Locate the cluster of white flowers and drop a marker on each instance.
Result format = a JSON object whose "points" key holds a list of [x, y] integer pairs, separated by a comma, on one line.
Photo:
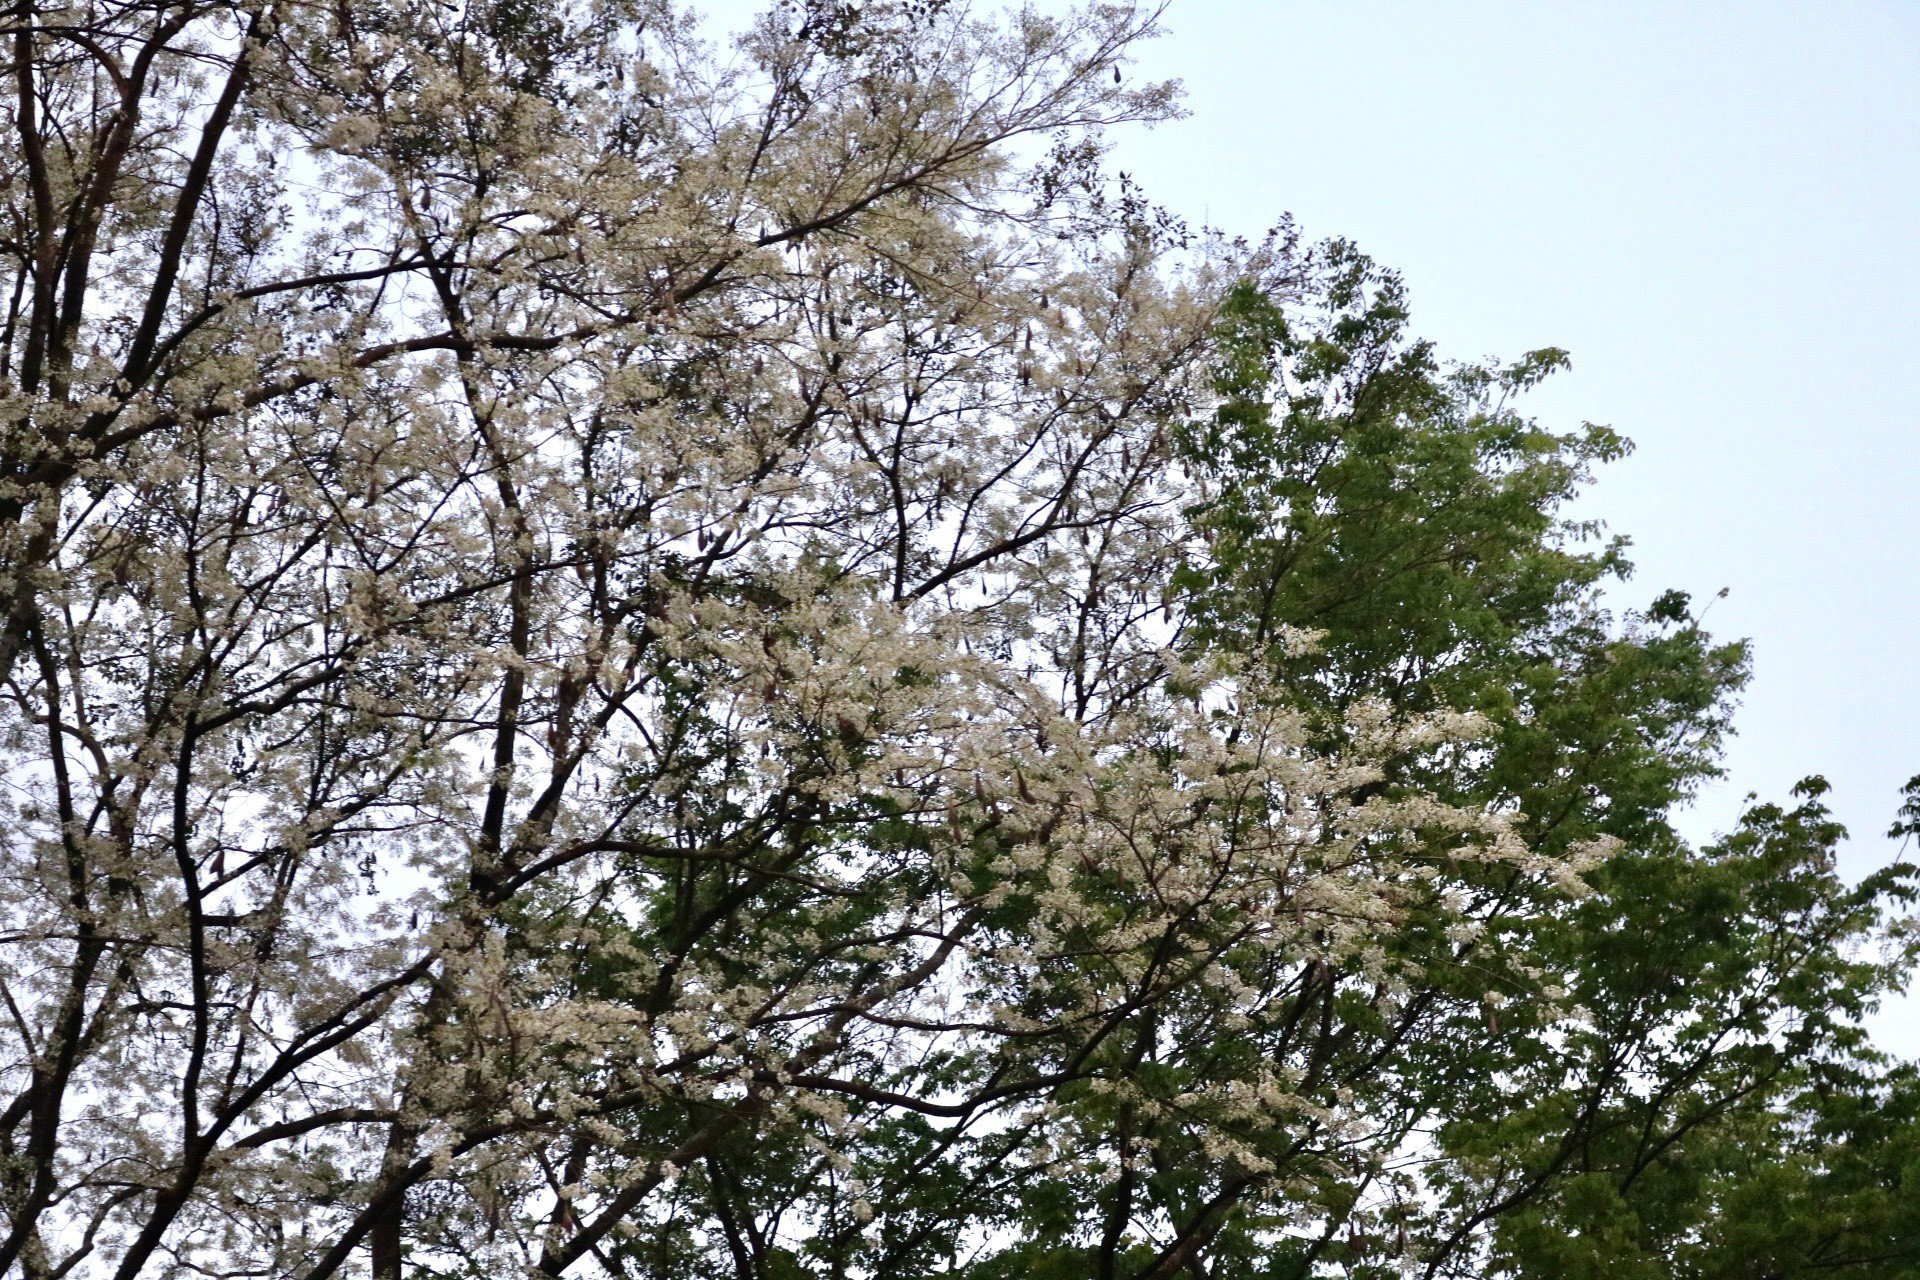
{"points": [[577, 613]]}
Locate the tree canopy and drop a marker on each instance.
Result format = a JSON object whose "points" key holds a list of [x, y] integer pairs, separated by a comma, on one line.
{"points": [[621, 656]]}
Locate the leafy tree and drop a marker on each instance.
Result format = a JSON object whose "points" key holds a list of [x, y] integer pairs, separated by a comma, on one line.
{"points": [[1693, 1095], [623, 657]]}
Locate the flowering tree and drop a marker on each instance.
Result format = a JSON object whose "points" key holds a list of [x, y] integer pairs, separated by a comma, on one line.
{"points": [[624, 658]]}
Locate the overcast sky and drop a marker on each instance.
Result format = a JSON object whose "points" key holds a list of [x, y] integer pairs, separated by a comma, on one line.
{"points": [[1716, 209]]}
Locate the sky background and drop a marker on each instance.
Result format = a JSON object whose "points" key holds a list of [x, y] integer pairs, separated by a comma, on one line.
{"points": [[1716, 209]]}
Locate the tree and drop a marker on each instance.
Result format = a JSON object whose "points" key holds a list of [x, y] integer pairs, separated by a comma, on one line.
{"points": [[623, 658], [1667, 1073]]}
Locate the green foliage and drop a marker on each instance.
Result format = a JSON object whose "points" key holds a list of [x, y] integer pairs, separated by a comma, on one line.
{"points": [[1716, 1107], [1680, 1085], [1408, 514]]}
